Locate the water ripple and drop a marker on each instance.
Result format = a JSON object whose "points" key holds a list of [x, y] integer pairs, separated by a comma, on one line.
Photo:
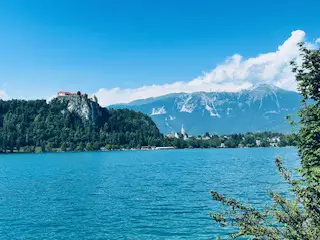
{"points": [[130, 195]]}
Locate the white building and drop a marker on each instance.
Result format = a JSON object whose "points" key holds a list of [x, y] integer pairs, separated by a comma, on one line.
{"points": [[258, 142], [184, 134]]}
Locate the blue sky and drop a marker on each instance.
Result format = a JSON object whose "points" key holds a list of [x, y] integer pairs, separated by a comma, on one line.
{"points": [[47, 46]]}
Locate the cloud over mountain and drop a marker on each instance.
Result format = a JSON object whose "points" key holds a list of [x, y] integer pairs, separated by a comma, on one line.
{"points": [[3, 94], [234, 74]]}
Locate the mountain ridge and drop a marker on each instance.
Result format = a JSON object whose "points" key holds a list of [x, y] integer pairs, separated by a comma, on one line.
{"points": [[254, 87], [260, 108]]}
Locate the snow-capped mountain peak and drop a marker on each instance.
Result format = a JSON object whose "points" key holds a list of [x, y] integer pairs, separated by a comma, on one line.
{"points": [[158, 111], [259, 108]]}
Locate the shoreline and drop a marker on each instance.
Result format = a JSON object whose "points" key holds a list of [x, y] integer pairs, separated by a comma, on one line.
{"points": [[136, 149]]}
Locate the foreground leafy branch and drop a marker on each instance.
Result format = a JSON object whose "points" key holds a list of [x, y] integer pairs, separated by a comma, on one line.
{"points": [[297, 216]]}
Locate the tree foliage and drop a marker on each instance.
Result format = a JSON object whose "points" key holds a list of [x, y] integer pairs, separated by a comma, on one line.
{"points": [[267, 139], [35, 126], [296, 217]]}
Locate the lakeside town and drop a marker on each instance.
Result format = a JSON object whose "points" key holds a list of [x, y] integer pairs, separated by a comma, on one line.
{"points": [[247, 140]]}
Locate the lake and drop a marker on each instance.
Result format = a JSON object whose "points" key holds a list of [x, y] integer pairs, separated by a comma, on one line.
{"points": [[131, 194]]}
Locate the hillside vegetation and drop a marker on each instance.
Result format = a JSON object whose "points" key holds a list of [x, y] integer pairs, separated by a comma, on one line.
{"points": [[71, 124]]}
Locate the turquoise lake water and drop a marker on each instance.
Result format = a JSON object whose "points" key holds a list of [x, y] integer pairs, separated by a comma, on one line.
{"points": [[130, 195]]}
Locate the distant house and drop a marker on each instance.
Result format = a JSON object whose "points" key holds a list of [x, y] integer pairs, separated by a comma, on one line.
{"points": [[276, 139], [274, 142], [63, 93], [258, 142], [145, 147], [170, 135], [148, 147], [164, 148], [241, 145]]}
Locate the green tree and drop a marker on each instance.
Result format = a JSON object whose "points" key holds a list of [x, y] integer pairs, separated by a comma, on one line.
{"points": [[297, 217], [230, 143], [80, 147], [48, 147], [96, 146], [265, 143], [89, 147], [72, 147], [63, 147]]}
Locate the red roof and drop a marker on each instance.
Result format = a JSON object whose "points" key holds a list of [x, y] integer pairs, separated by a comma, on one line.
{"points": [[67, 93], [70, 93]]}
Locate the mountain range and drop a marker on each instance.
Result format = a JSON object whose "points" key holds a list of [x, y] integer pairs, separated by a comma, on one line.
{"points": [[259, 108]]}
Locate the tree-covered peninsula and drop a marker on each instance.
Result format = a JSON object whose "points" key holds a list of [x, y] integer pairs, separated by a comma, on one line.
{"points": [[71, 122]]}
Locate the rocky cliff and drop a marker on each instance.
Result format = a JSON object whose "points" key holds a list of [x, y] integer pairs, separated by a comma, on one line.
{"points": [[86, 108]]}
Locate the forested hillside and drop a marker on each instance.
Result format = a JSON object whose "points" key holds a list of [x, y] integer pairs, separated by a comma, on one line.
{"points": [[65, 124]]}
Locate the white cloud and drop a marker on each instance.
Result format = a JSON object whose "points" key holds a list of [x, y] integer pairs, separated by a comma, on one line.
{"points": [[318, 40], [234, 74], [3, 94]]}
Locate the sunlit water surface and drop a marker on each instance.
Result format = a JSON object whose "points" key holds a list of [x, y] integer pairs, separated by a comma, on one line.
{"points": [[130, 195]]}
